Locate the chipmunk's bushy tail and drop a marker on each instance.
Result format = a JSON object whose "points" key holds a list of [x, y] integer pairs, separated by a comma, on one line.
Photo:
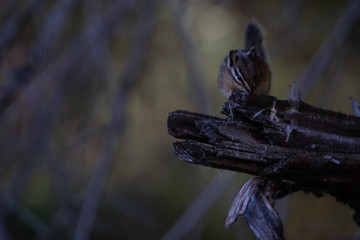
{"points": [[254, 38]]}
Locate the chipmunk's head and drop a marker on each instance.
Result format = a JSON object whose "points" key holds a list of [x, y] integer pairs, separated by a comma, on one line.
{"points": [[241, 65]]}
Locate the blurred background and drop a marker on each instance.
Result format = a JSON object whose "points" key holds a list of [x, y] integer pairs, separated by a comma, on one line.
{"points": [[86, 88]]}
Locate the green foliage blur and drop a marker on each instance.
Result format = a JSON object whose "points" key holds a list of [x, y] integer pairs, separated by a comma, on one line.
{"points": [[55, 123]]}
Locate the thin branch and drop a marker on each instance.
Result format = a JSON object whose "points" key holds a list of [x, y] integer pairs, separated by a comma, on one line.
{"points": [[116, 125]]}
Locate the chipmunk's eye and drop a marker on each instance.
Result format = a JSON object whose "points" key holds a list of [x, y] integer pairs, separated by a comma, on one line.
{"points": [[238, 74]]}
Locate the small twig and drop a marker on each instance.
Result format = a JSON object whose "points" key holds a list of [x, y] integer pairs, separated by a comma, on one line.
{"points": [[355, 106]]}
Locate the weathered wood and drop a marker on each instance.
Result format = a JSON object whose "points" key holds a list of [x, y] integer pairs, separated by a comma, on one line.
{"points": [[301, 146]]}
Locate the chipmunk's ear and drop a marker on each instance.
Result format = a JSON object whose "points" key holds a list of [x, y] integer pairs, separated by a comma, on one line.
{"points": [[251, 53], [232, 58]]}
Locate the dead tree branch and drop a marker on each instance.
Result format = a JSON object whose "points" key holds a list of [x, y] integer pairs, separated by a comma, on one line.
{"points": [[290, 144]]}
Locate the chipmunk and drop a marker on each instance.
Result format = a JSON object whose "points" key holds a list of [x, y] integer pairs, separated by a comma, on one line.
{"points": [[247, 69]]}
